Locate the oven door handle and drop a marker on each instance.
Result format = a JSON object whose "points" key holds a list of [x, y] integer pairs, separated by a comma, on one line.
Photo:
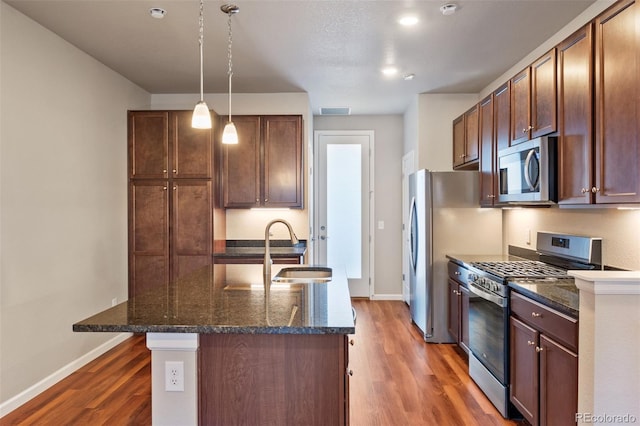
{"points": [[493, 298]]}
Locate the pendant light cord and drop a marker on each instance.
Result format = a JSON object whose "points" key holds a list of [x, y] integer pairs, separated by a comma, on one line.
{"points": [[230, 72], [201, 42]]}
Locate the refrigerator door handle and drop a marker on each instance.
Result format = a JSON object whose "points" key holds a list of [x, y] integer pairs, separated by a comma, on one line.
{"points": [[413, 237]]}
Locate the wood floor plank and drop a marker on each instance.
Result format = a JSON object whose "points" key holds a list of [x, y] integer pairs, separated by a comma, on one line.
{"points": [[398, 380]]}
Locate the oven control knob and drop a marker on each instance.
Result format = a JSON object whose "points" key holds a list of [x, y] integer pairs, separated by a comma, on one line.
{"points": [[473, 277]]}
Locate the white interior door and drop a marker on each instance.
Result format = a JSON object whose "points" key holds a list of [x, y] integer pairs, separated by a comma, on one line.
{"points": [[344, 198]]}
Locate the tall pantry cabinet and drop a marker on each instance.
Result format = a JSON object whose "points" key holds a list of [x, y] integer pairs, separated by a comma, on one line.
{"points": [[173, 201]]}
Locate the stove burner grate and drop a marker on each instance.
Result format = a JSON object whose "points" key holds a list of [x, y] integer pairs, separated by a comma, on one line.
{"points": [[520, 268]]}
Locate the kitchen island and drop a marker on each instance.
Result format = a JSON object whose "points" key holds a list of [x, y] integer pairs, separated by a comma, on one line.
{"points": [[249, 356]]}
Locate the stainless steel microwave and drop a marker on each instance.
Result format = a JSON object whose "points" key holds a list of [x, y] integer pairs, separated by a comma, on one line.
{"points": [[527, 172]]}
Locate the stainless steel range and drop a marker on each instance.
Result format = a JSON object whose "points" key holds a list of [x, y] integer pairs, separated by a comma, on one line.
{"points": [[489, 304]]}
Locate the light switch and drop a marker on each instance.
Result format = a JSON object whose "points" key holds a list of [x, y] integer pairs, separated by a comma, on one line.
{"points": [[381, 224]]}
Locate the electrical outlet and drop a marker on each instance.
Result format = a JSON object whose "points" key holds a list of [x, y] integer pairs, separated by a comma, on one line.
{"points": [[174, 376]]}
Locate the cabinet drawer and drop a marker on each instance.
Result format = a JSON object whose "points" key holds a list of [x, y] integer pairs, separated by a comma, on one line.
{"points": [[458, 273], [547, 320]]}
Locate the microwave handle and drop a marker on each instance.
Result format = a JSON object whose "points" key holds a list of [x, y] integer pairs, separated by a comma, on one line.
{"points": [[527, 161]]}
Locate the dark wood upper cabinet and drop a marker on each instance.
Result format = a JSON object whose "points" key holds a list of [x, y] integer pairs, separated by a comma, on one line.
{"points": [[192, 149], [466, 140], [533, 100], [502, 116], [163, 144], [282, 163], [487, 152], [458, 142], [617, 90], [241, 165], [520, 107], [575, 118], [543, 95], [148, 144], [265, 168]]}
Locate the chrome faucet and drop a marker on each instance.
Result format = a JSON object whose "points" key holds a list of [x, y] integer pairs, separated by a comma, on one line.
{"points": [[266, 267]]}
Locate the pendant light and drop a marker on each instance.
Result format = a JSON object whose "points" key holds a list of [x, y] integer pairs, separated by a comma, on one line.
{"points": [[230, 134], [201, 118]]}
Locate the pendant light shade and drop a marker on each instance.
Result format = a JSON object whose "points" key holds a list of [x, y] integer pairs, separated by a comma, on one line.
{"points": [[201, 116], [230, 134]]}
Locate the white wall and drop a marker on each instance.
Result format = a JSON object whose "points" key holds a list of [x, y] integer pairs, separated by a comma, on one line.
{"points": [[250, 224], [428, 124], [436, 113], [388, 146], [63, 195]]}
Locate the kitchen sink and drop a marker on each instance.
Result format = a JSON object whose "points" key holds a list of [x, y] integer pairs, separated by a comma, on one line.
{"points": [[302, 274]]}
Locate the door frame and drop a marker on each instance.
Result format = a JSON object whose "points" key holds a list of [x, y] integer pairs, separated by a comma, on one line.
{"points": [[371, 206]]}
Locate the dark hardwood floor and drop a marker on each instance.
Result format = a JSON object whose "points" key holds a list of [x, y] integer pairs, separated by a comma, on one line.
{"points": [[398, 380]]}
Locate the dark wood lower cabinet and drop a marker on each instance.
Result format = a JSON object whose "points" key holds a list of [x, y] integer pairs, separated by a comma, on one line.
{"points": [[524, 370], [544, 371], [458, 300], [278, 379], [558, 384]]}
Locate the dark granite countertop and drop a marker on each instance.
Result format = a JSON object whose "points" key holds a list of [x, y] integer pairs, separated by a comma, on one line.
{"points": [[467, 259], [231, 299], [255, 248], [559, 294]]}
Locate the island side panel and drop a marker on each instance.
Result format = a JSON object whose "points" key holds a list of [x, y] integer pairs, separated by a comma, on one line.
{"points": [[272, 379]]}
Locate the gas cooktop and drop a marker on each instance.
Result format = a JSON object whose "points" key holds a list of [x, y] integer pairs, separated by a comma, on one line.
{"points": [[520, 269]]}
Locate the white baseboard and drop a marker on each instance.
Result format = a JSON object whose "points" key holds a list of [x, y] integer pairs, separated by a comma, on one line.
{"points": [[12, 403], [386, 297]]}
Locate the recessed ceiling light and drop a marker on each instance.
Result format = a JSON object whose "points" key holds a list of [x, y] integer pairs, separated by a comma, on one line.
{"points": [[448, 9], [408, 20], [389, 71], [157, 12], [408, 77]]}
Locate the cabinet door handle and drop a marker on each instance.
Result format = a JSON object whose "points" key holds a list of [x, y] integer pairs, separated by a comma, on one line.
{"points": [[526, 129], [164, 187], [352, 342], [349, 372], [491, 196], [536, 315], [530, 343], [175, 171], [456, 273], [584, 190], [539, 349], [164, 170], [595, 189]]}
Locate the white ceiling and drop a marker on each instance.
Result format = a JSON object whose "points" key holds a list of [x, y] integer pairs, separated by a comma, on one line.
{"points": [[333, 50]]}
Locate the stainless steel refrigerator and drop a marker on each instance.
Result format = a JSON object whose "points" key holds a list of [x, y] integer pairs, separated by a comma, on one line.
{"points": [[445, 218]]}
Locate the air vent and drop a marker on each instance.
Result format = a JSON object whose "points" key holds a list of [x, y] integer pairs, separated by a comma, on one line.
{"points": [[335, 111]]}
